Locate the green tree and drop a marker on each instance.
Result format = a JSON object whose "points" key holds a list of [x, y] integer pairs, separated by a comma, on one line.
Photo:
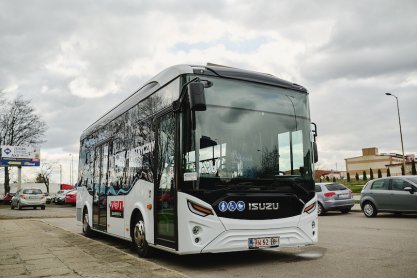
{"points": [[39, 179], [413, 168], [364, 177], [371, 174], [348, 177], [357, 176], [327, 178], [379, 173], [334, 179], [388, 172]]}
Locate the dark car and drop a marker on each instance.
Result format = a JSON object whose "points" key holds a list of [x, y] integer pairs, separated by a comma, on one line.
{"points": [[391, 194], [7, 198]]}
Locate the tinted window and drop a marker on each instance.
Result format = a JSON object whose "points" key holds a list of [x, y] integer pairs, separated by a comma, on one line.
{"points": [[318, 188], [335, 187], [399, 184], [32, 191], [413, 179], [380, 185]]}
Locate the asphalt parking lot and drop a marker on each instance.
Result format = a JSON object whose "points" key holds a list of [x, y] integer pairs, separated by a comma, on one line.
{"points": [[51, 211]]}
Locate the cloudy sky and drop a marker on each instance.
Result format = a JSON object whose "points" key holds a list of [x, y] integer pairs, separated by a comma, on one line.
{"points": [[77, 59]]}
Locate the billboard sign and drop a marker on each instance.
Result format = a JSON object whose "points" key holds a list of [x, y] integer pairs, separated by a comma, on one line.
{"points": [[19, 156]]}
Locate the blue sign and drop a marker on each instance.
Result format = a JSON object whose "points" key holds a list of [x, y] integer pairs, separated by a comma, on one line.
{"points": [[232, 206], [10, 162], [240, 206], [222, 206]]}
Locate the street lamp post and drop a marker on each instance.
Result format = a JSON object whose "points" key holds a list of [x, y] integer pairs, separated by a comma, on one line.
{"points": [[399, 122], [71, 169]]}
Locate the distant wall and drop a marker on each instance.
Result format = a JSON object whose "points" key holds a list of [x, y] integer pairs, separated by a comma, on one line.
{"points": [[53, 187]]}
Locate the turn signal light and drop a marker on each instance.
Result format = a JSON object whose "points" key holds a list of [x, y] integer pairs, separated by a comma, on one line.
{"points": [[23, 196], [199, 210]]}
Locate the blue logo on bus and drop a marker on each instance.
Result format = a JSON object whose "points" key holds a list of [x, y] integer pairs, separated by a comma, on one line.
{"points": [[232, 206], [222, 206], [240, 206]]}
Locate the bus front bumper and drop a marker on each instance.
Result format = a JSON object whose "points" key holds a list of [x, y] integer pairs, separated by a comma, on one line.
{"points": [[238, 240]]}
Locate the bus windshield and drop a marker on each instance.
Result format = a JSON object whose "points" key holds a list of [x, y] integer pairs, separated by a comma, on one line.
{"points": [[249, 132]]}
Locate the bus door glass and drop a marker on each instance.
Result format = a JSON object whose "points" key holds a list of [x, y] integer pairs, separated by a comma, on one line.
{"points": [[100, 187], [165, 188]]}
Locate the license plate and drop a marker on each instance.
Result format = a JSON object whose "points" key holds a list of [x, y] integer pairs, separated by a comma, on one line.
{"points": [[263, 242], [33, 197], [344, 196]]}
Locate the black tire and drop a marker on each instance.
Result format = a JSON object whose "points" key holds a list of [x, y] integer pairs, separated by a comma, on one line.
{"points": [[345, 210], [34, 207], [18, 206], [87, 231], [11, 206], [42, 207], [320, 209], [369, 209], [140, 245]]}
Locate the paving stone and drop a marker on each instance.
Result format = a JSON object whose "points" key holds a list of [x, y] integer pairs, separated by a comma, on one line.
{"points": [[53, 252], [51, 271]]}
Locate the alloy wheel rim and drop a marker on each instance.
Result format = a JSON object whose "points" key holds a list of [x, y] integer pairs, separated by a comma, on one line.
{"points": [[319, 209], [85, 223], [368, 209], [139, 234]]}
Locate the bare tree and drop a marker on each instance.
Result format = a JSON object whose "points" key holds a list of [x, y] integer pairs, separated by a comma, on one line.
{"points": [[45, 173], [19, 126]]}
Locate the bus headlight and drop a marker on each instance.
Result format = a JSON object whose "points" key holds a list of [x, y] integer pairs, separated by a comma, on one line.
{"points": [[310, 208], [199, 210]]}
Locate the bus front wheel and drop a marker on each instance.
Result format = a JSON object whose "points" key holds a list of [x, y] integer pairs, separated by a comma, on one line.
{"points": [[139, 240]]}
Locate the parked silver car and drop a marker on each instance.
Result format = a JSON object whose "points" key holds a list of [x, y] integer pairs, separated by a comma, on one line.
{"points": [[60, 197], [28, 197], [391, 194], [333, 196]]}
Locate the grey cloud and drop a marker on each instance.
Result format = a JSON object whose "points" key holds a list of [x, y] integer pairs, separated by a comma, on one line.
{"points": [[370, 49], [366, 40]]}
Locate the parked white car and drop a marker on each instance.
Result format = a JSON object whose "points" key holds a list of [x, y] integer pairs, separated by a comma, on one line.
{"points": [[28, 197]]}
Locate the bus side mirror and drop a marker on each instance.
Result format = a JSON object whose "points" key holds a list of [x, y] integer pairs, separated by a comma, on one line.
{"points": [[315, 153], [197, 97]]}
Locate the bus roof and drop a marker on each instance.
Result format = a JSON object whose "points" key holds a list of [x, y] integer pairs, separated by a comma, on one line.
{"points": [[173, 72]]}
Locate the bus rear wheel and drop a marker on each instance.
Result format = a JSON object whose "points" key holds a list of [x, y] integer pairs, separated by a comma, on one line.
{"points": [[139, 239], [87, 231]]}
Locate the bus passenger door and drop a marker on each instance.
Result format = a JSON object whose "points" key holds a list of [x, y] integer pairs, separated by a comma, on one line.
{"points": [[165, 187], [100, 187]]}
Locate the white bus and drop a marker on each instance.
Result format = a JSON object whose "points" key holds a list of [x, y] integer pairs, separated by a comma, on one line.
{"points": [[202, 159]]}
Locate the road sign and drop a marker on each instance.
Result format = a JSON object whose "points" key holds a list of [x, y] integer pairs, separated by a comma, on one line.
{"points": [[19, 156]]}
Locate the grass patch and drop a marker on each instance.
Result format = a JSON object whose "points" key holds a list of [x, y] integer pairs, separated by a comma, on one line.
{"points": [[356, 188]]}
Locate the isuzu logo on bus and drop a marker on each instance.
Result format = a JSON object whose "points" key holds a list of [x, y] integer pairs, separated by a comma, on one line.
{"points": [[263, 206]]}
